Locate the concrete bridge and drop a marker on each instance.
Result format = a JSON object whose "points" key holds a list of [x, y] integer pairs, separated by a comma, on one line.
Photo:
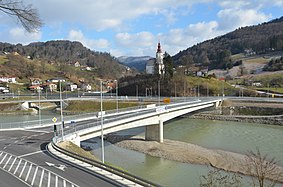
{"points": [[151, 117]]}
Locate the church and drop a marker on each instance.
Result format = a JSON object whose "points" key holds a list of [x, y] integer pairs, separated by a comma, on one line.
{"points": [[155, 65]]}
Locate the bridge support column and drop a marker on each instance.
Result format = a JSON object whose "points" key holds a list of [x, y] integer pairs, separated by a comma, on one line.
{"points": [[154, 132], [76, 139]]}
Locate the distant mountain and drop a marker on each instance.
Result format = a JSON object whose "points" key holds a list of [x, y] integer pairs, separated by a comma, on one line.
{"points": [[65, 52], [135, 62], [252, 40]]}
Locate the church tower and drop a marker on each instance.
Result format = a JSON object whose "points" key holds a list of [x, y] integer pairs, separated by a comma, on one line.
{"points": [[159, 60]]}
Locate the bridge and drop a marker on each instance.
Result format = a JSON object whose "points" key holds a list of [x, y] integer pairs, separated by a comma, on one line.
{"points": [[152, 117]]}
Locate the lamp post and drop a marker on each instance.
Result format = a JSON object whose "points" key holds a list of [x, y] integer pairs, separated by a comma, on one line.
{"points": [[101, 118], [137, 92], [39, 111], [175, 90], [117, 104], [61, 110], [158, 92]]}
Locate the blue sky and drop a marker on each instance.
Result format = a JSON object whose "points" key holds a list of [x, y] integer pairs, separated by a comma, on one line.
{"points": [[134, 27]]}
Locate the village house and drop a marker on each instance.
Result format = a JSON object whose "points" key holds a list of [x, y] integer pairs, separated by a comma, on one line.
{"points": [[49, 86], [35, 81], [8, 79], [86, 87], [4, 89], [56, 80], [36, 88], [71, 87]]}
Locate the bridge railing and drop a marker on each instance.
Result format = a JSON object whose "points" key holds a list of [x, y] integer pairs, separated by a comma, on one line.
{"points": [[98, 164], [42, 122]]}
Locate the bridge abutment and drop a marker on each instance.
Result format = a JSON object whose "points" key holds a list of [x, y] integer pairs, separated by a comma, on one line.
{"points": [[154, 132]]}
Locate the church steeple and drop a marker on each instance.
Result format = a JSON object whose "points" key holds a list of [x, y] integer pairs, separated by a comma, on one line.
{"points": [[159, 60], [159, 48]]}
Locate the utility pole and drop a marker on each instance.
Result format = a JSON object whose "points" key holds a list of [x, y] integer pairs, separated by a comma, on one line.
{"points": [[158, 92], [101, 117], [61, 111], [117, 104]]}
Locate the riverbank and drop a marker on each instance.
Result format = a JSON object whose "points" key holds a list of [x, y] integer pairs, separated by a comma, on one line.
{"points": [[270, 120], [189, 153], [245, 111]]}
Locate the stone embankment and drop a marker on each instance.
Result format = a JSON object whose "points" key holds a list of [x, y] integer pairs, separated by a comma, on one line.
{"points": [[245, 111], [271, 120], [190, 153]]}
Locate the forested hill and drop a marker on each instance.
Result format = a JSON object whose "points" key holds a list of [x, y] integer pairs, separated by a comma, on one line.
{"points": [[63, 52], [216, 53]]}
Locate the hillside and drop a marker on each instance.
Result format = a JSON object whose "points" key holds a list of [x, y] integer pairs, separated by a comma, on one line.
{"points": [[135, 62], [64, 52], [251, 40]]}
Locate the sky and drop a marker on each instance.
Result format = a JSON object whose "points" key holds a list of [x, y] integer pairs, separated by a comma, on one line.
{"points": [[134, 27]]}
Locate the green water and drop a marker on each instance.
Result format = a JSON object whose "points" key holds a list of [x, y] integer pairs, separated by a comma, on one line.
{"points": [[230, 136]]}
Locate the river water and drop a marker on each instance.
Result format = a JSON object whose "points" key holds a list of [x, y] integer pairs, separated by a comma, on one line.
{"points": [[230, 136]]}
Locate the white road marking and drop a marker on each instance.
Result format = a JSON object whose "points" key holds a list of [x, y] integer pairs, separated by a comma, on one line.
{"points": [[7, 161], [56, 181], [17, 167], [34, 175], [23, 169], [3, 159], [49, 178], [41, 178], [12, 164], [61, 167], [50, 164], [28, 154], [28, 172]]}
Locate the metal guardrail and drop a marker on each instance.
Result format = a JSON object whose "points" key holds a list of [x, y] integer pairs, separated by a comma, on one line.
{"points": [[123, 174]]}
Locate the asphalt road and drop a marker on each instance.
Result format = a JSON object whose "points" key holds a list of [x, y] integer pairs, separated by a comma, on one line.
{"points": [[31, 146]]}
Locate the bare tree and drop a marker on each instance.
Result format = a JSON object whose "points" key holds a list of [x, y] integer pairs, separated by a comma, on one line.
{"points": [[218, 178], [264, 170], [25, 14]]}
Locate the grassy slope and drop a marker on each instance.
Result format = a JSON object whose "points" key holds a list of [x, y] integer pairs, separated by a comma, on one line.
{"points": [[92, 106]]}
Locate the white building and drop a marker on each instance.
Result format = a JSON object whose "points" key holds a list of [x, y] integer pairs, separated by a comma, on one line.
{"points": [[157, 62], [8, 79], [149, 68]]}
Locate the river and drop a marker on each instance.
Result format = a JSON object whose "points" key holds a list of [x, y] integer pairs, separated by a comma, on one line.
{"points": [[230, 136]]}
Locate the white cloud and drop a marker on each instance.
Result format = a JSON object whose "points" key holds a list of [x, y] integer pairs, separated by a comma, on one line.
{"points": [[141, 39], [19, 35], [101, 14], [180, 39], [77, 35], [230, 19]]}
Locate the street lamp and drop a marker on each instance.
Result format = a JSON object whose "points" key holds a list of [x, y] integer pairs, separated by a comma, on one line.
{"points": [[61, 111], [39, 111], [158, 92], [117, 104], [137, 91], [101, 117]]}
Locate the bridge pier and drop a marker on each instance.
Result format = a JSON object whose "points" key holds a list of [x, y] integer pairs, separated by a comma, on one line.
{"points": [[76, 139], [154, 132]]}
